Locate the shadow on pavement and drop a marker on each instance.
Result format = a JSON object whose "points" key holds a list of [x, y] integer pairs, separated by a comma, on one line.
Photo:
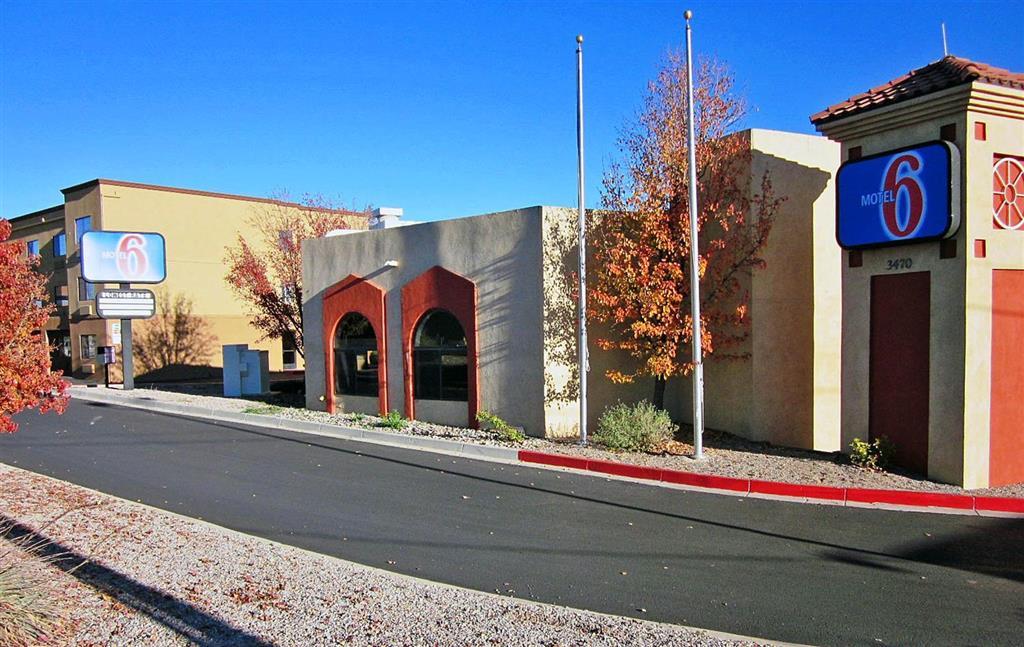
{"points": [[188, 621]]}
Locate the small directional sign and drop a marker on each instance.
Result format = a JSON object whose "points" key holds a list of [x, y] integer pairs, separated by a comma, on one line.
{"points": [[125, 304]]}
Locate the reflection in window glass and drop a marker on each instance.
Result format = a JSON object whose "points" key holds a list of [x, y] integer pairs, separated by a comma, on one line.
{"points": [[60, 244], [82, 225], [355, 356], [86, 290], [33, 248], [439, 358], [88, 343]]}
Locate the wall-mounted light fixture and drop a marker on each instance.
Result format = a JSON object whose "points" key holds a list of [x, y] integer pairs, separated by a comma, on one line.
{"points": [[391, 263]]}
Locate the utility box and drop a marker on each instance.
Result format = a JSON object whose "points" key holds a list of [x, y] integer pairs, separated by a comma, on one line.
{"points": [[246, 372]]}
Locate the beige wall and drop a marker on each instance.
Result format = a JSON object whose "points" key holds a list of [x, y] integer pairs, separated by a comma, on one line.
{"points": [[960, 340], [787, 390], [1004, 250], [197, 228]]}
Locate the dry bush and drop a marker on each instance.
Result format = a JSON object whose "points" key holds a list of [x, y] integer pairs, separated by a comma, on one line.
{"points": [[29, 612]]}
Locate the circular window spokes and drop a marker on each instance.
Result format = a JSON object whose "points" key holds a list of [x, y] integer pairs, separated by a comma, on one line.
{"points": [[441, 371], [355, 356]]}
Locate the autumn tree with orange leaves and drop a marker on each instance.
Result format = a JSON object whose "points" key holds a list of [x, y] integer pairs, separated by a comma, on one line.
{"points": [[641, 241], [265, 265], [26, 381]]}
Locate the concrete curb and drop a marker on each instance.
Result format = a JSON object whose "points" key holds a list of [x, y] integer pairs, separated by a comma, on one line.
{"points": [[911, 500], [899, 500], [422, 443]]}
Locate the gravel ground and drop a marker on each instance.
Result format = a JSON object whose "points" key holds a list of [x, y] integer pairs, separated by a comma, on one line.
{"points": [[725, 454], [127, 574]]}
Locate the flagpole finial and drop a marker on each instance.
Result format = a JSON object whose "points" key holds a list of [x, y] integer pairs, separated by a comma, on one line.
{"points": [[687, 14], [579, 38]]}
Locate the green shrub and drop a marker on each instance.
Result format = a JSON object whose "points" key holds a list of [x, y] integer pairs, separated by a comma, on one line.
{"points": [[358, 418], [634, 428], [393, 420], [502, 429], [875, 455]]}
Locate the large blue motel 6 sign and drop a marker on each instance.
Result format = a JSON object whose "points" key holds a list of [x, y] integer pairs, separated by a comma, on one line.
{"points": [[123, 257], [903, 196]]}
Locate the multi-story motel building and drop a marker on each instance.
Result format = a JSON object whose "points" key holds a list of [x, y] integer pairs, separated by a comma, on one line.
{"points": [[197, 227]]}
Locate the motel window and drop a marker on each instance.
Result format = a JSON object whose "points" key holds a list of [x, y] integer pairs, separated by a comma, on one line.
{"points": [[60, 245], [86, 290], [88, 349], [439, 358], [60, 295], [33, 248], [355, 356], [289, 354], [82, 225]]}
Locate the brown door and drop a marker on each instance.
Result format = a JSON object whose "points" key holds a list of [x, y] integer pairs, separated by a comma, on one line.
{"points": [[900, 326]]}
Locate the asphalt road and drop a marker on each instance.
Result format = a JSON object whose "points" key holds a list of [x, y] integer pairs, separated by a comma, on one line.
{"points": [[793, 572]]}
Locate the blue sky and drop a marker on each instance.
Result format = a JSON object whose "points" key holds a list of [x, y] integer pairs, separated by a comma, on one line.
{"points": [[444, 109]]}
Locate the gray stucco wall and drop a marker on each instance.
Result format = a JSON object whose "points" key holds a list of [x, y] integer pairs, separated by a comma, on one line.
{"points": [[500, 253]]}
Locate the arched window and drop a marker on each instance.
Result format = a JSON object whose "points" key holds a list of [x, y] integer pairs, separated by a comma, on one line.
{"points": [[439, 358], [355, 356]]}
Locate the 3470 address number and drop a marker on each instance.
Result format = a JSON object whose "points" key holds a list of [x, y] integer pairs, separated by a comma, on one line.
{"points": [[899, 264]]}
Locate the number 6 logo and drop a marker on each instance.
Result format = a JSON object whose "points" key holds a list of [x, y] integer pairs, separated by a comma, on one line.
{"points": [[132, 260], [901, 179]]}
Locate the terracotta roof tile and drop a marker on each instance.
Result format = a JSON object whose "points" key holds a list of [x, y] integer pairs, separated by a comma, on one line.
{"points": [[944, 73]]}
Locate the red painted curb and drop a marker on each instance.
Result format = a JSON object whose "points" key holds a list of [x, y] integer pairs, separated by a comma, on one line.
{"points": [[998, 504], [624, 469], [705, 480], [559, 460], [909, 498], [795, 489]]}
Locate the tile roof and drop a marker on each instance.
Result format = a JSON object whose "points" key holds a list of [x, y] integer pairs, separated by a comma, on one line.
{"points": [[943, 73]]}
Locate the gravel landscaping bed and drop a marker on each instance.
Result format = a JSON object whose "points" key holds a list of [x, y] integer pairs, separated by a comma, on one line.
{"points": [[127, 574], [725, 454]]}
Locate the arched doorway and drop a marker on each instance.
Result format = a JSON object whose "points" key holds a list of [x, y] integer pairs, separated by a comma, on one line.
{"points": [[440, 371], [356, 358]]}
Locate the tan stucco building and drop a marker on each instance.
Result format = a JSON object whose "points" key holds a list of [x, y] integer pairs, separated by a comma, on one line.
{"points": [[197, 227], [933, 331], [441, 320]]}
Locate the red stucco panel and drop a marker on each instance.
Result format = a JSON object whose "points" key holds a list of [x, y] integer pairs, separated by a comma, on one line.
{"points": [[441, 288], [355, 294]]}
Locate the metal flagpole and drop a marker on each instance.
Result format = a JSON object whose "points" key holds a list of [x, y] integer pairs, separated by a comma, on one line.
{"points": [[698, 353], [584, 367]]}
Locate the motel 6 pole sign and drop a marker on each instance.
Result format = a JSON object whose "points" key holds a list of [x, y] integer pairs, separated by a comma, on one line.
{"points": [[124, 257], [903, 196]]}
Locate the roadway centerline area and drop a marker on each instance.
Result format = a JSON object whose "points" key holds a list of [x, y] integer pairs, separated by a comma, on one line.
{"points": [[801, 573]]}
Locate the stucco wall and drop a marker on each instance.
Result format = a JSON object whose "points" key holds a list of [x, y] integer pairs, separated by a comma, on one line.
{"points": [[959, 397], [500, 253], [787, 390], [197, 229], [1004, 249]]}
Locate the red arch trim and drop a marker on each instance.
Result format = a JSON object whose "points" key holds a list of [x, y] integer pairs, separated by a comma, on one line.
{"points": [[355, 294], [441, 288]]}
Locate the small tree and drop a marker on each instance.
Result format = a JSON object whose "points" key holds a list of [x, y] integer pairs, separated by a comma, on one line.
{"points": [[26, 381], [174, 336], [642, 241], [265, 264]]}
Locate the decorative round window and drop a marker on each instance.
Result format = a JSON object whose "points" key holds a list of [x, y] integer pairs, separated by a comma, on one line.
{"points": [[1008, 193]]}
